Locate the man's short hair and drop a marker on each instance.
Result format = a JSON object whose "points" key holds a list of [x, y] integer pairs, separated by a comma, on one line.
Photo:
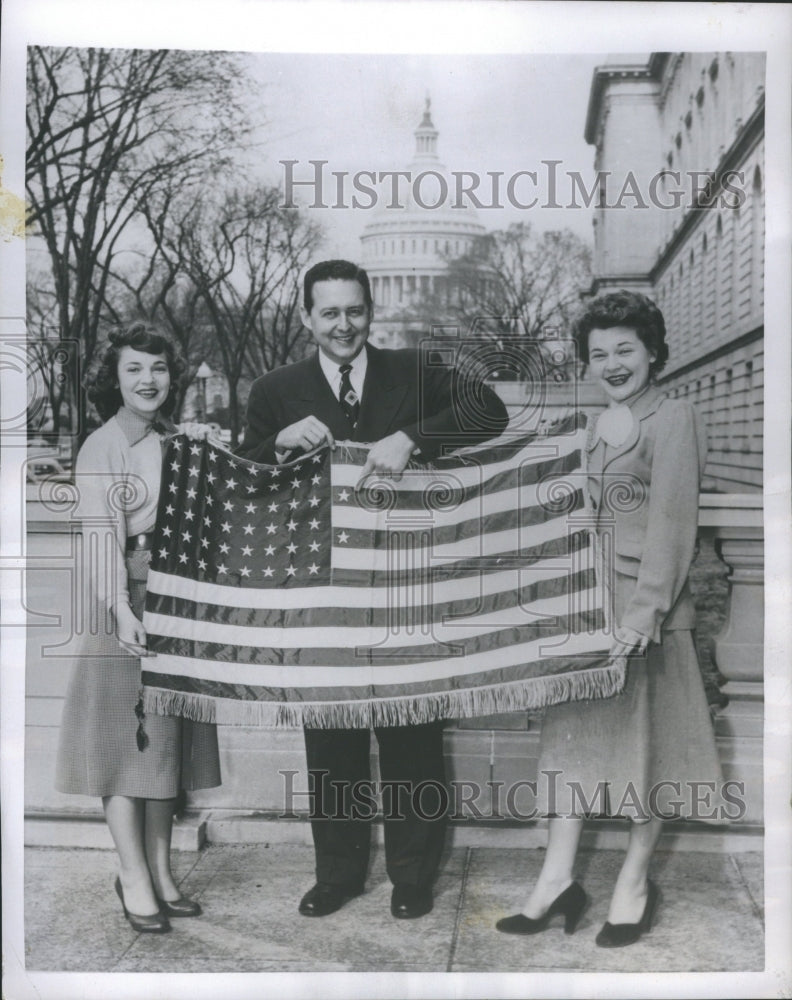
{"points": [[334, 270]]}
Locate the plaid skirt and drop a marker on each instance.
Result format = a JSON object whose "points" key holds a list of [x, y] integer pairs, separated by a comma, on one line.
{"points": [[98, 752]]}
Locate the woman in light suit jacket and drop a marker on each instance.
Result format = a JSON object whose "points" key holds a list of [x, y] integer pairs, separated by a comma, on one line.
{"points": [[648, 753]]}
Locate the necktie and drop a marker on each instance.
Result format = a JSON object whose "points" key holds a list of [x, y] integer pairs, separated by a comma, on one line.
{"points": [[347, 396]]}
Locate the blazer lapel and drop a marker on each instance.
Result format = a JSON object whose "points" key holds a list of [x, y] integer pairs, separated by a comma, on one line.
{"points": [[317, 398], [383, 394]]}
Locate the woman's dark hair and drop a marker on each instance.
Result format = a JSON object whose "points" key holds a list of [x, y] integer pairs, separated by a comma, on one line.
{"points": [[623, 308], [102, 382]]}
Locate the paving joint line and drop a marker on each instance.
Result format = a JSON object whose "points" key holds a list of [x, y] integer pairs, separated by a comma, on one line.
{"points": [[459, 908], [756, 907]]}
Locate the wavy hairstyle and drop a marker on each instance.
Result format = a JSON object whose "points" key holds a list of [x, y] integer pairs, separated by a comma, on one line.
{"points": [[102, 382], [623, 308]]}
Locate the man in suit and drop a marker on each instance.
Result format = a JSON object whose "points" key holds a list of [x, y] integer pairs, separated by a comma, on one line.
{"points": [[349, 390]]}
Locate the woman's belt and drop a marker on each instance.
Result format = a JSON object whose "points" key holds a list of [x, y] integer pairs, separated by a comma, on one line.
{"points": [[142, 541]]}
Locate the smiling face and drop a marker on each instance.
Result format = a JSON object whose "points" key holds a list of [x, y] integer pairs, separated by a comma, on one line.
{"points": [[144, 381], [339, 319], [619, 361]]}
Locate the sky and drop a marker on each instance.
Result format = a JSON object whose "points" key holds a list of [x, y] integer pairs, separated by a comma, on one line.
{"points": [[493, 112]]}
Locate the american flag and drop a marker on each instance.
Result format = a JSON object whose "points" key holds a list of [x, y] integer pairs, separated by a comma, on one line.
{"points": [[288, 594]]}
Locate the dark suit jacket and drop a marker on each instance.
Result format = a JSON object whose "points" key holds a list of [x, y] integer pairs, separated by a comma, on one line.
{"points": [[434, 405]]}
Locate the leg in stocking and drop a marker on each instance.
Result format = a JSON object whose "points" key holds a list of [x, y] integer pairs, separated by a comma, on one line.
{"points": [[125, 817]]}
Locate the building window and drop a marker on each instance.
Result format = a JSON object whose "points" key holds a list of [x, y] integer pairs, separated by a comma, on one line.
{"points": [[700, 97], [688, 119], [713, 70]]}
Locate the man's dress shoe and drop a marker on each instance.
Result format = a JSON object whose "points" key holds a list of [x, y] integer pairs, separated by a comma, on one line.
{"points": [[409, 901], [326, 898]]}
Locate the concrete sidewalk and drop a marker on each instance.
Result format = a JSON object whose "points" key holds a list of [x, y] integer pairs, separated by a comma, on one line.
{"points": [[710, 917]]}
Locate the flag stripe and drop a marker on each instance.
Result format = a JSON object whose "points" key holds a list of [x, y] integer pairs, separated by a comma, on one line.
{"points": [[387, 670]]}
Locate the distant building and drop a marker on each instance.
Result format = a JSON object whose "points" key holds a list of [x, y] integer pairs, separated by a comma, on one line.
{"points": [[677, 121], [406, 249]]}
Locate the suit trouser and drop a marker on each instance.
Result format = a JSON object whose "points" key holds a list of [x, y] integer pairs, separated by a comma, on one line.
{"points": [[414, 817]]}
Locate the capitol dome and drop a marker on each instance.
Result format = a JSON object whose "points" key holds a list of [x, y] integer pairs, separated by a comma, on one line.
{"points": [[407, 245]]}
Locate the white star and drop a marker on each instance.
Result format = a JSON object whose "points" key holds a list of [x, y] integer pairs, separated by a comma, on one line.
{"points": [[194, 470], [231, 483], [317, 458], [244, 571], [314, 501], [271, 529], [298, 467], [273, 487], [169, 509], [343, 538], [313, 569], [191, 493], [232, 464], [294, 504], [176, 442], [313, 524], [270, 550], [246, 551], [314, 546], [227, 505], [186, 536], [212, 456], [224, 548], [295, 482], [248, 529], [183, 557], [291, 548], [172, 487], [208, 521], [167, 532], [268, 571], [273, 508], [343, 496], [251, 488], [189, 515], [209, 500], [205, 543], [291, 571], [274, 473], [222, 568], [292, 525], [225, 526], [202, 563], [250, 508], [210, 477], [175, 466], [163, 553], [195, 449], [315, 480]]}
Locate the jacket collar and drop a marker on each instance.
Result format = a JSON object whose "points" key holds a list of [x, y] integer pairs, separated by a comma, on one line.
{"points": [[641, 407], [135, 427]]}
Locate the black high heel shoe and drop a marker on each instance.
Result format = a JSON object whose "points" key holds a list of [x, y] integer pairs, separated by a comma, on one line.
{"points": [[181, 907], [157, 923], [571, 903], [619, 935]]}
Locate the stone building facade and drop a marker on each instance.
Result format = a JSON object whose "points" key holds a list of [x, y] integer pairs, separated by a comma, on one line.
{"points": [[687, 228]]}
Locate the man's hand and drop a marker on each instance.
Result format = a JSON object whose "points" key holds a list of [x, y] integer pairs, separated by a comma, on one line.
{"points": [[388, 457], [307, 434]]}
